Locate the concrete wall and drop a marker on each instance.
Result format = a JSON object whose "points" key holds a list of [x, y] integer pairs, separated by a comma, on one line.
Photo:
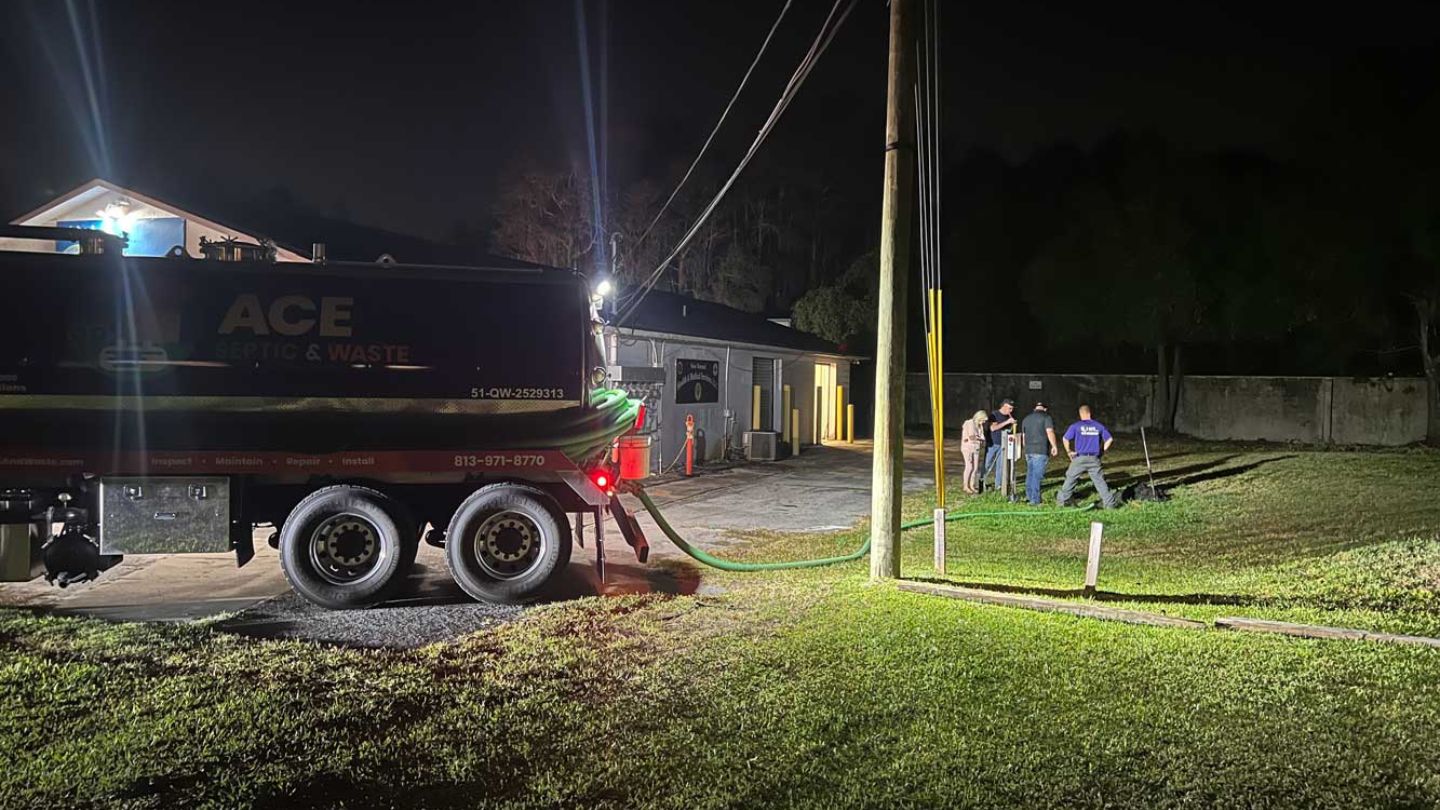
{"points": [[733, 412], [1378, 411], [1312, 410], [1270, 408], [1125, 400]]}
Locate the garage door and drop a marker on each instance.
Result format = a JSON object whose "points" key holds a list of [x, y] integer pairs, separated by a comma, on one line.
{"points": [[763, 374]]}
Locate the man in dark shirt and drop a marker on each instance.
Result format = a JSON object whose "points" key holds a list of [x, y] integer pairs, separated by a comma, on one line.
{"points": [[1000, 421], [1085, 442], [1037, 433]]}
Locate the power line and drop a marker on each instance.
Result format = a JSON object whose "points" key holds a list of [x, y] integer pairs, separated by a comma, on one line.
{"points": [[796, 78], [716, 129], [822, 41]]}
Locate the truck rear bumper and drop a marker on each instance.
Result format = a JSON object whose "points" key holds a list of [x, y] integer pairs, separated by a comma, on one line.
{"points": [[630, 529]]}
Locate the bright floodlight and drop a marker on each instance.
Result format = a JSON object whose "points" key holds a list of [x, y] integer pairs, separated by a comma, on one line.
{"points": [[604, 288]]}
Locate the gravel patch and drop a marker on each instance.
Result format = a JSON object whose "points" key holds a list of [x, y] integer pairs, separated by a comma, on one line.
{"points": [[431, 608], [392, 625]]}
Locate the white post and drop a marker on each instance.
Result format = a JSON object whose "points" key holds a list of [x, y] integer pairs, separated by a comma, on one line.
{"points": [[940, 541], [1092, 565]]}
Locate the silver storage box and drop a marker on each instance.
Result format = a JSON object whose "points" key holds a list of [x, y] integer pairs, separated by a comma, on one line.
{"points": [[761, 445], [20, 551], [21, 535], [164, 515]]}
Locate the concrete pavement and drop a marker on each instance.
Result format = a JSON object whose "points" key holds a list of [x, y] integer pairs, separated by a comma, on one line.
{"points": [[824, 488]]}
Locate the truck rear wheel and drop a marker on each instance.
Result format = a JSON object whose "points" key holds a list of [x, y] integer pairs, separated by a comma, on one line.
{"points": [[505, 541], [342, 547]]}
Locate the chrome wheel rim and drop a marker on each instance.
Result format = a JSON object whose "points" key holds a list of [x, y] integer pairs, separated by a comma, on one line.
{"points": [[346, 549], [508, 544]]}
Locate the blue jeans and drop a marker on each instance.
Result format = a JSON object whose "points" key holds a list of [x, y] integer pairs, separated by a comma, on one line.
{"points": [[1034, 471], [992, 457]]}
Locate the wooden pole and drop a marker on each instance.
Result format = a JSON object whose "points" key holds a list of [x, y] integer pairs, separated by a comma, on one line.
{"points": [[1092, 563], [887, 469], [940, 540]]}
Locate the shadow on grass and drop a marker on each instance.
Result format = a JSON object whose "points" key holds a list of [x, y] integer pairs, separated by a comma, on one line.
{"points": [[1228, 472], [1122, 478], [1233, 600], [428, 587], [1179, 476]]}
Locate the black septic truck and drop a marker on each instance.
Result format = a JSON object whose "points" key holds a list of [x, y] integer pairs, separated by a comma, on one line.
{"points": [[172, 404]]}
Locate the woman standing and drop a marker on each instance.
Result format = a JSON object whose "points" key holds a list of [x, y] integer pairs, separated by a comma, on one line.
{"points": [[972, 445]]}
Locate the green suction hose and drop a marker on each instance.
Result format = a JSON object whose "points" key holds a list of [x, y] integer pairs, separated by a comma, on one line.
{"points": [[612, 412], [728, 565]]}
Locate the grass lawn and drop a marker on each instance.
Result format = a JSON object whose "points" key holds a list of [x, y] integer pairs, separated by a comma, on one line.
{"points": [[815, 687], [1349, 538]]}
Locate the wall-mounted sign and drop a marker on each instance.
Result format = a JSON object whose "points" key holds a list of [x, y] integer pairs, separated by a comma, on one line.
{"points": [[696, 381], [1036, 385]]}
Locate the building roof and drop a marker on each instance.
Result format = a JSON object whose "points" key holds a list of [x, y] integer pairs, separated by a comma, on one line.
{"points": [[291, 226], [673, 314]]}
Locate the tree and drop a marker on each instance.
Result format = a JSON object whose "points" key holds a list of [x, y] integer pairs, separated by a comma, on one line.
{"points": [[1422, 289], [1415, 210], [1382, 113], [775, 235], [1125, 267], [545, 217], [1427, 321], [844, 312]]}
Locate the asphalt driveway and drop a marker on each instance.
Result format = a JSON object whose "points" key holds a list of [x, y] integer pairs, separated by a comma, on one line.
{"points": [[823, 488]]}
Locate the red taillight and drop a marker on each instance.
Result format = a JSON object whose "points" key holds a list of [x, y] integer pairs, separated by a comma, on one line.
{"points": [[603, 480]]}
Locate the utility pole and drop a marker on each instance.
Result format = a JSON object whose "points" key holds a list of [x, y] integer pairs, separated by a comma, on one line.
{"points": [[888, 461]]}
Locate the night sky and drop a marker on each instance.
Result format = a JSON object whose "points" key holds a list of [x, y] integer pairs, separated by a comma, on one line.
{"points": [[410, 114]]}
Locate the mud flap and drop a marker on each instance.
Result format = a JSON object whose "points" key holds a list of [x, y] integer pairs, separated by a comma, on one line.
{"points": [[630, 529]]}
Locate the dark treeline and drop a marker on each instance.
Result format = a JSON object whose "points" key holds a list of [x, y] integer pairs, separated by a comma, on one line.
{"points": [[1138, 255], [1134, 254], [769, 241]]}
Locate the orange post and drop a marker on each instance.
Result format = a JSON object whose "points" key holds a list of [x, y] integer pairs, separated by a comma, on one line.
{"points": [[689, 444]]}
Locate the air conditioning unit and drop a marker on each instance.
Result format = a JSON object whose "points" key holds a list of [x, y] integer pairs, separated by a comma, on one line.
{"points": [[761, 445]]}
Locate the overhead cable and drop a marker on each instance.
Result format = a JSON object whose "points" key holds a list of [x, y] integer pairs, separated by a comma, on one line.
{"points": [[822, 41], [716, 129]]}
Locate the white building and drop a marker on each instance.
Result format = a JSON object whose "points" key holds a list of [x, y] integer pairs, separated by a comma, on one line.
{"points": [[154, 227], [717, 364]]}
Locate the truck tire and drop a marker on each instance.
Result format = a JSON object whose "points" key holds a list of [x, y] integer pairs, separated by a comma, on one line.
{"points": [[342, 547], [505, 542]]}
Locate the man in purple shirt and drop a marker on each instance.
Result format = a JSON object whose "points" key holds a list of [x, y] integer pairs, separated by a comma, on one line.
{"points": [[1085, 442]]}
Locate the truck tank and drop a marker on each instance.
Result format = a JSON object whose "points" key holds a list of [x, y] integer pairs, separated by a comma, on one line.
{"points": [[153, 354]]}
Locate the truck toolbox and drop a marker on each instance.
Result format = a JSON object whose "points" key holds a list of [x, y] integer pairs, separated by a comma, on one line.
{"points": [[21, 535], [170, 515]]}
